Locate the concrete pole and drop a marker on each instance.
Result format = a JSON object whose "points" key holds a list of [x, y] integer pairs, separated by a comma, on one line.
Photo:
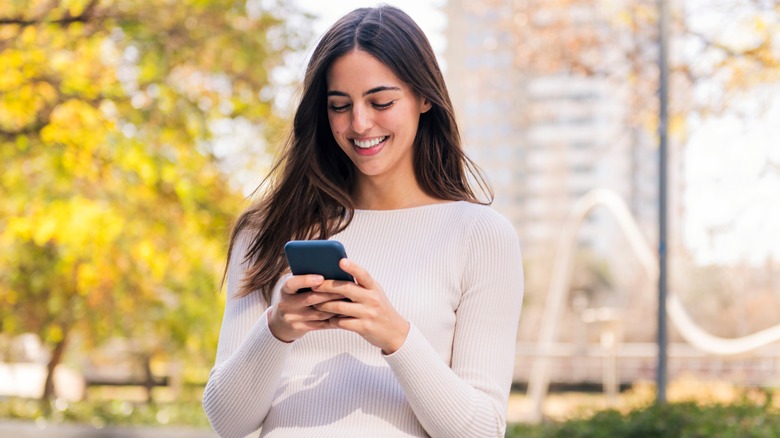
{"points": [[663, 131]]}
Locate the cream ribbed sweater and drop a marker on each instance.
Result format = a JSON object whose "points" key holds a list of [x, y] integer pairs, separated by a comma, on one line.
{"points": [[453, 270]]}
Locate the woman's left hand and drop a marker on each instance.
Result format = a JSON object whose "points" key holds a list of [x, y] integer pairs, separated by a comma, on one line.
{"points": [[368, 313]]}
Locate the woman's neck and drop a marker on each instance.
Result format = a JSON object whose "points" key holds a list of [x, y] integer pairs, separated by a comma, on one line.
{"points": [[370, 194]]}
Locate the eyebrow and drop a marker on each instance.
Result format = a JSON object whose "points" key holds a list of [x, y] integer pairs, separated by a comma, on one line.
{"points": [[371, 91]]}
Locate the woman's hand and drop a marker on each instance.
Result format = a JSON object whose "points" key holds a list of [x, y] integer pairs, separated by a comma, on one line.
{"points": [[295, 313], [368, 311]]}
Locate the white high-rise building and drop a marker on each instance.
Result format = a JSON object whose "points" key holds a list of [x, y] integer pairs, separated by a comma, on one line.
{"points": [[546, 140]]}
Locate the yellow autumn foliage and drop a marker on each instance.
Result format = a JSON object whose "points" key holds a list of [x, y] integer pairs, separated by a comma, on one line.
{"points": [[114, 213]]}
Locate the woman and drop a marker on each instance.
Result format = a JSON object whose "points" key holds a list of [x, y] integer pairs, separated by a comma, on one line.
{"points": [[424, 344]]}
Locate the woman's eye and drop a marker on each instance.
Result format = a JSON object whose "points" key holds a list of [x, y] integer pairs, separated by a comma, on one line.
{"points": [[339, 108], [384, 105]]}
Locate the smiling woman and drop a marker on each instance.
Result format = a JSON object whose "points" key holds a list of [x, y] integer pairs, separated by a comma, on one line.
{"points": [[374, 117], [424, 343]]}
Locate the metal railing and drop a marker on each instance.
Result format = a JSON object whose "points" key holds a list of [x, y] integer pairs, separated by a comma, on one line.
{"points": [[538, 382]]}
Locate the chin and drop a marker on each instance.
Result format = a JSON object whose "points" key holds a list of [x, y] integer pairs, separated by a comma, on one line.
{"points": [[369, 172]]}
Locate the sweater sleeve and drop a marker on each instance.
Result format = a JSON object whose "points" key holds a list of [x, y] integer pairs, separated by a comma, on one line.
{"points": [[469, 398], [249, 359]]}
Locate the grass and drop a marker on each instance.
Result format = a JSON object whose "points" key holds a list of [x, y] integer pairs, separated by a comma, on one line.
{"points": [[103, 408], [695, 410]]}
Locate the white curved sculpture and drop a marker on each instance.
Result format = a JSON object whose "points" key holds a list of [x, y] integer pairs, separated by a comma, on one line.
{"points": [[538, 381]]}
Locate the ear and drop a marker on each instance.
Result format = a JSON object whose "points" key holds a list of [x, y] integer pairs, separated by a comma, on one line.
{"points": [[425, 106]]}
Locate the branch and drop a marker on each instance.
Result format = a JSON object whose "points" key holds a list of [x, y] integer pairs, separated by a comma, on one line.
{"points": [[87, 15], [727, 50], [769, 168], [43, 117]]}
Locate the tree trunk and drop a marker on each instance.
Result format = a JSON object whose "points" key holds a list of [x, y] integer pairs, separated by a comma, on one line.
{"points": [[148, 378], [56, 358]]}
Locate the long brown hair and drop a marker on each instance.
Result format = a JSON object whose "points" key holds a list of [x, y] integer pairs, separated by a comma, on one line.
{"points": [[307, 195]]}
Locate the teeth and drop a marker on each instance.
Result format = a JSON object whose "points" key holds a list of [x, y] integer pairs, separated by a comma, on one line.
{"points": [[369, 143]]}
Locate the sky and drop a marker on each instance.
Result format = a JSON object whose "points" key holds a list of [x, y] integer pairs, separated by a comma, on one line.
{"points": [[731, 187], [731, 195]]}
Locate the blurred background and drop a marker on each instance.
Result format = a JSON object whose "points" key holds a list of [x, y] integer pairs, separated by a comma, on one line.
{"points": [[132, 133]]}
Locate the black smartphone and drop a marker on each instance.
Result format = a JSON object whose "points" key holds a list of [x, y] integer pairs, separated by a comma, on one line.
{"points": [[316, 257]]}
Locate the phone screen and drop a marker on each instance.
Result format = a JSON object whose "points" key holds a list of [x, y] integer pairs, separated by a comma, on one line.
{"points": [[317, 257]]}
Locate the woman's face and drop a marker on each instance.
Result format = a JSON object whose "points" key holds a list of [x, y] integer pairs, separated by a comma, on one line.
{"points": [[373, 115]]}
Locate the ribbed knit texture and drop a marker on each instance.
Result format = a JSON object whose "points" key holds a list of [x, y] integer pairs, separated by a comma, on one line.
{"points": [[453, 270]]}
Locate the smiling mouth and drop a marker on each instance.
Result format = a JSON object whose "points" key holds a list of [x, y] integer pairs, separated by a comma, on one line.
{"points": [[368, 144]]}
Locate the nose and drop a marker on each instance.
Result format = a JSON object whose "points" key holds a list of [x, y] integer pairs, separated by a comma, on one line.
{"points": [[361, 119]]}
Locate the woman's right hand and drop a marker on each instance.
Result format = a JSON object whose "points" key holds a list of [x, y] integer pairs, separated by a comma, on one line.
{"points": [[293, 316]]}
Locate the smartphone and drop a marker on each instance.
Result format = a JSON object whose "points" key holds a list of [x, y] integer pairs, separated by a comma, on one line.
{"points": [[316, 257]]}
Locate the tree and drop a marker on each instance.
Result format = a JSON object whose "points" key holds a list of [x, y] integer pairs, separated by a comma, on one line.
{"points": [[114, 211], [729, 46]]}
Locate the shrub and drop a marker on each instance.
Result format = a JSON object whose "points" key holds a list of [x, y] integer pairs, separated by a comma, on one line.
{"points": [[683, 420]]}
